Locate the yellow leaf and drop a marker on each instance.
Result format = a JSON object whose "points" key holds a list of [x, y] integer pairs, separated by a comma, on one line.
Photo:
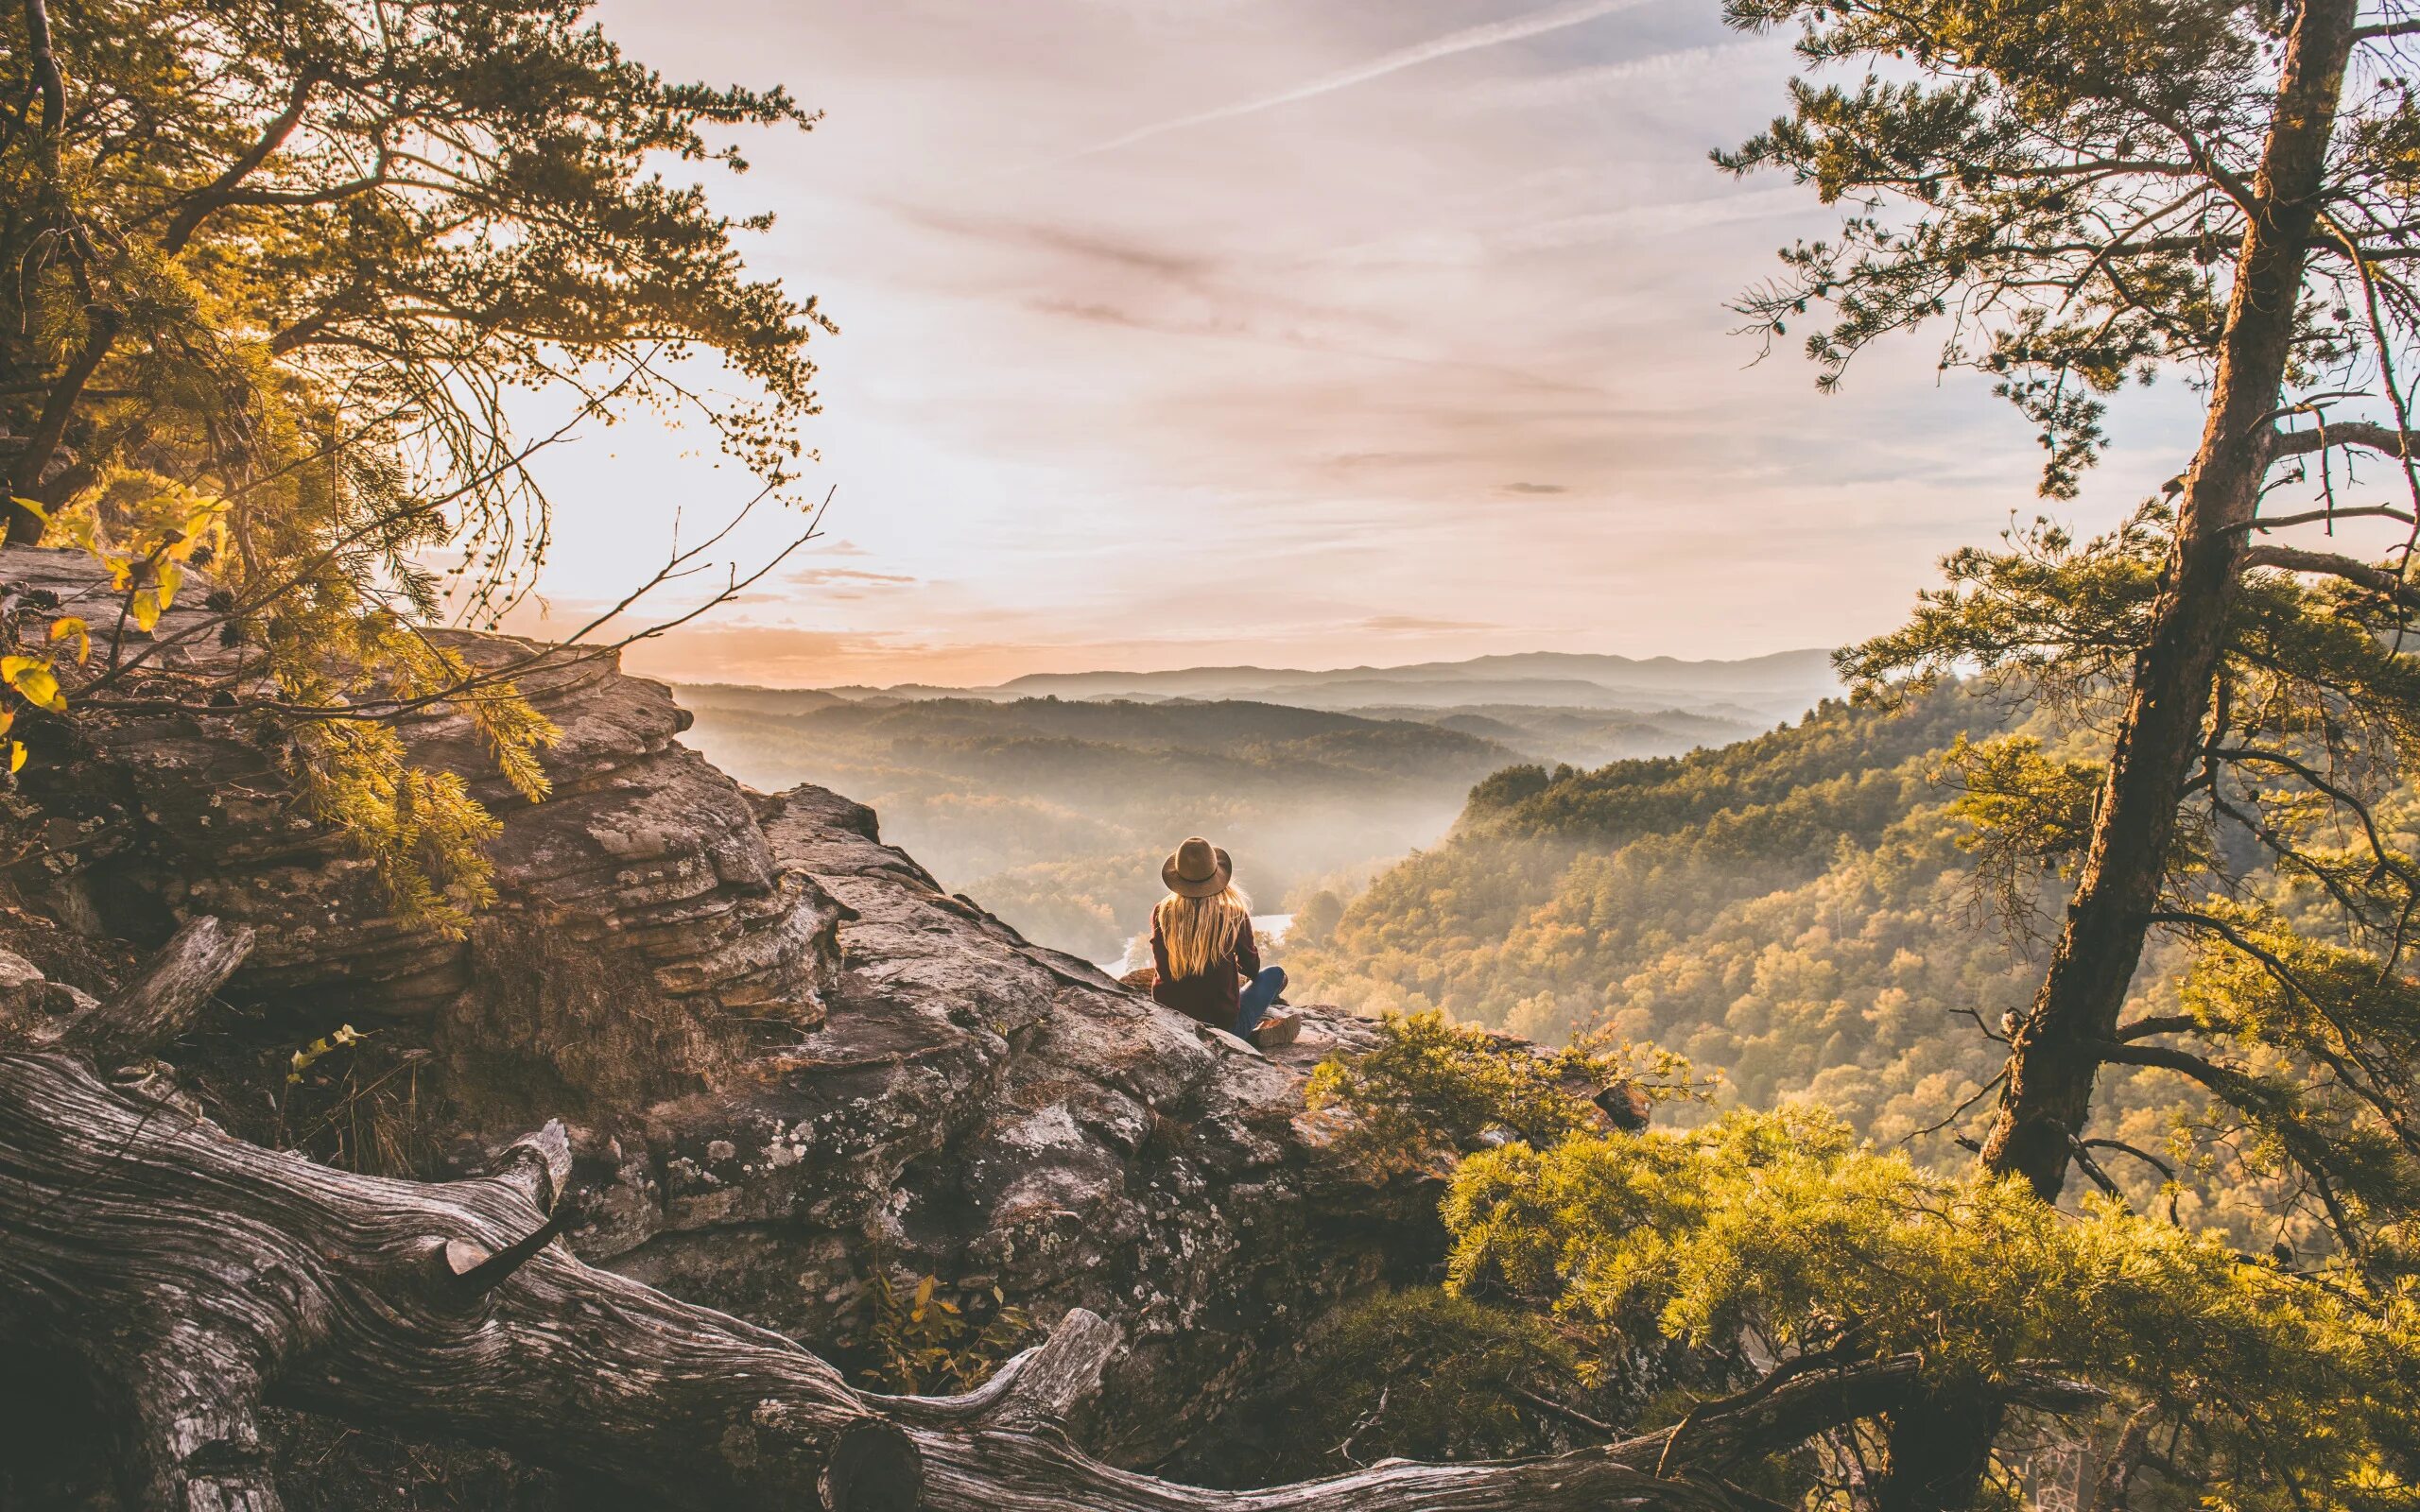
{"points": [[8, 717], [30, 507], [57, 704], [35, 681], [16, 754], [67, 625], [199, 524], [11, 666], [145, 607], [172, 574]]}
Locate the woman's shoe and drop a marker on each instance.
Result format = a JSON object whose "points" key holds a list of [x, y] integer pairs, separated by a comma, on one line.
{"points": [[1278, 1029]]}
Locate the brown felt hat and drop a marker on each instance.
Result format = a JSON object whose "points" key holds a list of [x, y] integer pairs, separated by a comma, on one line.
{"points": [[1199, 869]]}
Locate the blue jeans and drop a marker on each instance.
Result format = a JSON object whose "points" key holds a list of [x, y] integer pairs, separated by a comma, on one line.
{"points": [[1259, 994]]}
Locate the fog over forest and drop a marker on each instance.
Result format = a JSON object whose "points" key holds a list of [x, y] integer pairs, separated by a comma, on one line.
{"points": [[1052, 800]]}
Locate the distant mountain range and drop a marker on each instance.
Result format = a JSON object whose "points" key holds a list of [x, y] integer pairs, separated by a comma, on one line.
{"points": [[1052, 798], [1752, 692]]}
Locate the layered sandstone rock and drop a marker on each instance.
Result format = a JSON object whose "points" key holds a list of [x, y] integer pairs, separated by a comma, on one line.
{"points": [[792, 1061]]}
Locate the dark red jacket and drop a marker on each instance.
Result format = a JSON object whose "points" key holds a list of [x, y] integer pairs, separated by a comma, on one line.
{"points": [[1215, 996]]}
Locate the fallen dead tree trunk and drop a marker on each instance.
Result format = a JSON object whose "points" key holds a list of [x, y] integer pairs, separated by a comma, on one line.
{"points": [[200, 1276]]}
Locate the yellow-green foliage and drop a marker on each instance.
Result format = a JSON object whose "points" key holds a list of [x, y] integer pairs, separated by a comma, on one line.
{"points": [[1744, 906], [1782, 1228], [2024, 814], [1432, 1086], [924, 1341], [245, 353], [422, 828], [1422, 1374], [2328, 1040], [324, 636]]}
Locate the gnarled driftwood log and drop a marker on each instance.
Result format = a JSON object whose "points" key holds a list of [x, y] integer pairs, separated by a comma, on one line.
{"points": [[200, 1276]]}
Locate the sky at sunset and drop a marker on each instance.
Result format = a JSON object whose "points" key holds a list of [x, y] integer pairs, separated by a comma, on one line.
{"points": [[1294, 331]]}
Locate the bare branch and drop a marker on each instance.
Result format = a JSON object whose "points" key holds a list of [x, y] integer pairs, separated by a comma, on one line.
{"points": [[2385, 440], [472, 1271], [2123, 1148], [2365, 511], [2383, 580], [2387, 859], [1959, 1111], [2168, 1023], [2091, 1167], [2109, 1486], [1046, 1386], [198, 205], [44, 65], [2163, 1058]]}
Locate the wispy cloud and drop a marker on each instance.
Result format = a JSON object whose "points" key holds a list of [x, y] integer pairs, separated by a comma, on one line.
{"points": [[1635, 221], [1532, 487], [1577, 86], [830, 576], [1133, 255], [1469, 38], [836, 584], [1357, 461], [1416, 625]]}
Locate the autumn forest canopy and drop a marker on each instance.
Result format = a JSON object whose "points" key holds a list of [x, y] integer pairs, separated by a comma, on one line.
{"points": [[1997, 1087]]}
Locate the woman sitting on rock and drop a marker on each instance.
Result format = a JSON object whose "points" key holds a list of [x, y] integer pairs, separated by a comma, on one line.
{"points": [[1208, 965]]}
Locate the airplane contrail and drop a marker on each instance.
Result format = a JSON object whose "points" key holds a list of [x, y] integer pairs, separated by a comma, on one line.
{"points": [[1553, 18]]}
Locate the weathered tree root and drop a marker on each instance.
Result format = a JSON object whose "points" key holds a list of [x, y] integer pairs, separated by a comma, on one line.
{"points": [[201, 1277], [158, 1005]]}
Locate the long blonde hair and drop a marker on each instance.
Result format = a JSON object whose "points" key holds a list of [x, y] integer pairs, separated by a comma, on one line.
{"points": [[1200, 932]]}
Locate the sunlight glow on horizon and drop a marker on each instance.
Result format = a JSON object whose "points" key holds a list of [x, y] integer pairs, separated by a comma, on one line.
{"points": [[1410, 345]]}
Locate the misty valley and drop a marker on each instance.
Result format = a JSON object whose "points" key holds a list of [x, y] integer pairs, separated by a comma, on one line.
{"points": [[1052, 800]]}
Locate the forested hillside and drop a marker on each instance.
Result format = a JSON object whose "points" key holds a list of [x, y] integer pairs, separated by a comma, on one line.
{"points": [[1793, 910], [1586, 737]]}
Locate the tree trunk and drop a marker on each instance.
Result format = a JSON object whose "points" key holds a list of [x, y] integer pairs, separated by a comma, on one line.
{"points": [[1940, 1449], [2053, 1063], [197, 1276], [25, 526]]}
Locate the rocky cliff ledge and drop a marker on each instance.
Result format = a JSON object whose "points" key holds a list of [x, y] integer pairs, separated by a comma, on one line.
{"points": [[791, 1061]]}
